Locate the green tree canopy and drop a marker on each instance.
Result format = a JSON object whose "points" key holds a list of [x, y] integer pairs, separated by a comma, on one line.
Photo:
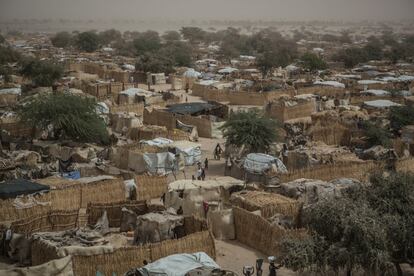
{"points": [[42, 73], [108, 36], [376, 135], [148, 41], [171, 36], [312, 62], [401, 116], [250, 129], [62, 39], [8, 55], [150, 62], [180, 53], [71, 116], [370, 228], [193, 34], [88, 41]]}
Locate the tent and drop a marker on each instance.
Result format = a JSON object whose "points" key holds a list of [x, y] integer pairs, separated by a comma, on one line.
{"points": [[15, 188], [179, 265], [160, 163], [259, 163], [191, 151]]}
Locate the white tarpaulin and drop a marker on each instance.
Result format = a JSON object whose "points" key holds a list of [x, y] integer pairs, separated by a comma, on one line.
{"points": [[160, 163], [178, 264], [159, 142], [191, 151], [260, 162]]}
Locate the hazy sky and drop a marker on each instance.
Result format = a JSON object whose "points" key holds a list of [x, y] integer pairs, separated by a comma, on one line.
{"points": [[209, 9]]}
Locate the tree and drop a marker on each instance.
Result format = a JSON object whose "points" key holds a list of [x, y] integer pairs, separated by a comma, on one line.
{"points": [[401, 116], [148, 41], [272, 59], [376, 135], [171, 36], [251, 130], [345, 235], [108, 36], [351, 56], [370, 228], [8, 55], [179, 52], [392, 197], [88, 41], [62, 40], [42, 73], [193, 34], [312, 62], [71, 116], [150, 62]]}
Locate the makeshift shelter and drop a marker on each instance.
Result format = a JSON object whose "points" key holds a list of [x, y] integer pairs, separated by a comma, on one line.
{"points": [[191, 195], [269, 204], [260, 163], [160, 163], [179, 265], [189, 150], [18, 187], [192, 108]]}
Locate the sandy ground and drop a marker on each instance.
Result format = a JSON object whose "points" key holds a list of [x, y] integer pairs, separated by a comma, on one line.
{"points": [[232, 255]]}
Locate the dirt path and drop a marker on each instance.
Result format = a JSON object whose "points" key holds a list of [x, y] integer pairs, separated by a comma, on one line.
{"points": [[232, 255]]}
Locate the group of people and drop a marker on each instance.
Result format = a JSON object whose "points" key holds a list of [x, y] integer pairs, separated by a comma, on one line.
{"points": [[201, 168]]}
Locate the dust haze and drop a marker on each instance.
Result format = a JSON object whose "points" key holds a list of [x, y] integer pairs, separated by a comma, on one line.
{"points": [[290, 10]]}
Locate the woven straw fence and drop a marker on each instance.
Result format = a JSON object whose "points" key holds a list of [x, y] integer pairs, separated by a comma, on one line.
{"points": [[10, 213], [49, 221], [124, 259], [406, 165], [102, 192], [67, 198], [334, 134], [114, 211], [256, 232], [149, 187], [358, 171]]}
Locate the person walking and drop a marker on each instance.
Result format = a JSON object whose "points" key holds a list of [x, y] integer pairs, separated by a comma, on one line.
{"points": [[206, 164]]}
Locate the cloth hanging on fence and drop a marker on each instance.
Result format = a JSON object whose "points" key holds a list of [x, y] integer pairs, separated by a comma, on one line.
{"points": [[29, 202]]}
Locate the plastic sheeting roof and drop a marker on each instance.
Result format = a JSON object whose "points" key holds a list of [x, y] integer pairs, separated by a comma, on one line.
{"points": [[189, 108], [178, 264], [330, 83], [227, 70], [188, 184], [376, 92], [381, 103], [15, 188], [191, 73], [260, 162], [16, 91], [137, 91], [366, 82]]}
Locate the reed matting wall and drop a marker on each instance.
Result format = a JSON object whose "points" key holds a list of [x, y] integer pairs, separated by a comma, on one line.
{"points": [[256, 232]]}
